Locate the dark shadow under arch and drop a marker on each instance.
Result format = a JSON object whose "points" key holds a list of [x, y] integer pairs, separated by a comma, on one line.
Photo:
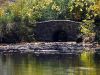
{"points": [[60, 36], [79, 39]]}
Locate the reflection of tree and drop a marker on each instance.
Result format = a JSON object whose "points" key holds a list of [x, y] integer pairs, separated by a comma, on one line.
{"points": [[43, 65], [87, 63], [49, 65]]}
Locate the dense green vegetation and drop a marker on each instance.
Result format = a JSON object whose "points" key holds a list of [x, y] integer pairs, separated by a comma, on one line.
{"points": [[17, 19]]}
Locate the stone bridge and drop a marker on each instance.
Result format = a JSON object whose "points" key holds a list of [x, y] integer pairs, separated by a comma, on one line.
{"points": [[57, 31]]}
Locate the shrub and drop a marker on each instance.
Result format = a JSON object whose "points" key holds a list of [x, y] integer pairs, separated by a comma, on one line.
{"points": [[80, 9], [87, 27], [16, 23]]}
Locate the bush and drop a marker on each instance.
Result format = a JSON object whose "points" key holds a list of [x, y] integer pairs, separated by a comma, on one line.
{"points": [[16, 24], [87, 27], [80, 9], [87, 12]]}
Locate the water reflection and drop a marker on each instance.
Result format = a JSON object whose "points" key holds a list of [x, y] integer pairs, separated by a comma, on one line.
{"points": [[49, 65]]}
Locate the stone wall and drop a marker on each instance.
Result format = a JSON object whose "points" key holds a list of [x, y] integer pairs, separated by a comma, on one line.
{"points": [[47, 48], [57, 30]]}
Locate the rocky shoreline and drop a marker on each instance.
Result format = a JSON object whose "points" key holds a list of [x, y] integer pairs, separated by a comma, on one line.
{"points": [[48, 48]]}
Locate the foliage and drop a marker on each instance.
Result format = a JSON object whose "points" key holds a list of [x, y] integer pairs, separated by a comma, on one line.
{"points": [[87, 11], [19, 17], [87, 27], [38, 9], [16, 23], [80, 9], [55, 10], [96, 7]]}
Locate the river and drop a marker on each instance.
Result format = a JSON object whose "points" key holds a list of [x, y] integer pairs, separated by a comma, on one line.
{"points": [[84, 64]]}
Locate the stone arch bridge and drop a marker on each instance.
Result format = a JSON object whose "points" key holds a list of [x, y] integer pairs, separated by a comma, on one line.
{"points": [[57, 30]]}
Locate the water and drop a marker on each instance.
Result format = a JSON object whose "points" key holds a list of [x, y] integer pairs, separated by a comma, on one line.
{"points": [[85, 64]]}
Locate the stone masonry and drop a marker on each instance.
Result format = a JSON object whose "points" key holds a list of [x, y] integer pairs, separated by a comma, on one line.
{"points": [[57, 30]]}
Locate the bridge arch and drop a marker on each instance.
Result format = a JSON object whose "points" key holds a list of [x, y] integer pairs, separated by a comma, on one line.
{"points": [[59, 36]]}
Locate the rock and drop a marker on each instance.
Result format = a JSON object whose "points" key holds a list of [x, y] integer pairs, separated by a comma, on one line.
{"points": [[46, 47]]}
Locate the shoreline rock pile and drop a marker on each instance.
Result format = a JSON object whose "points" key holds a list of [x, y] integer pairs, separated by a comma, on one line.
{"points": [[47, 48]]}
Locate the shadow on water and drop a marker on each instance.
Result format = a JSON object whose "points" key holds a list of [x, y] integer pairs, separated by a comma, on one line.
{"points": [[84, 64]]}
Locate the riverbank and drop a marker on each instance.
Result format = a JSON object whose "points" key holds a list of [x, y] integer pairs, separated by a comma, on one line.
{"points": [[48, 48]]}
